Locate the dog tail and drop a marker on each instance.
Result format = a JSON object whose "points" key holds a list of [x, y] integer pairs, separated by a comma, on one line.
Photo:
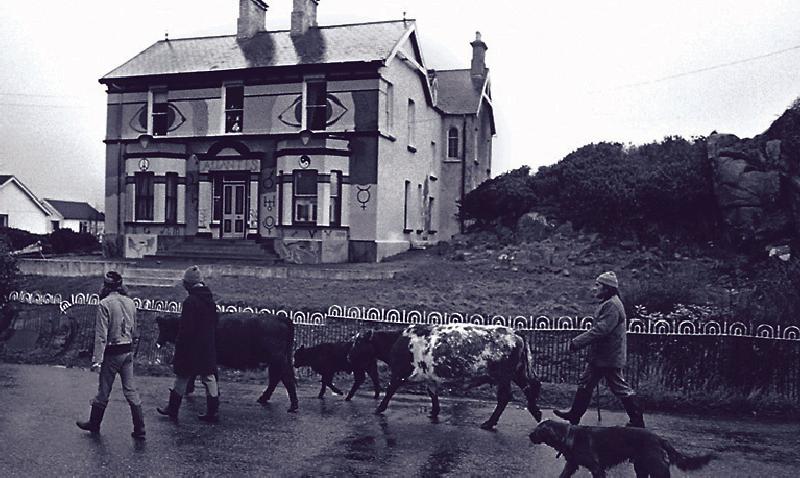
{"points": [[683, 461]]}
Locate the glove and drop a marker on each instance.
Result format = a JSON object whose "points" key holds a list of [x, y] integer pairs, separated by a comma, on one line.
{"points": [[95, 367]]}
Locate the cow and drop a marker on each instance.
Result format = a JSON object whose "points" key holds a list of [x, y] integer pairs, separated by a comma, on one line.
{"points": [[463, 353], [369, 346], [248, 341], [328, 358]]}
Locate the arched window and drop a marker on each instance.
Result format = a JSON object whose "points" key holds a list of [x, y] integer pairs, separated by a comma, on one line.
{"points": [[452, 142]]}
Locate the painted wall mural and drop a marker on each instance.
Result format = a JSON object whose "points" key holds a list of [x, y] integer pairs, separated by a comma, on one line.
{"points": [[140, 245], [268, 208], [293, 114]]}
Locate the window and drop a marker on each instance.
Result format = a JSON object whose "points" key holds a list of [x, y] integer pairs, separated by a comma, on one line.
{"points": [[429, 216], [389, 107], [55, 225], [412, 122], [160, 113], [234, 109], [144, 196], [316, 105], [216, 206], [452, 142], [406, 192], [305, 196], [171, 198], [83, 226], [3, 220], [336, 199]]}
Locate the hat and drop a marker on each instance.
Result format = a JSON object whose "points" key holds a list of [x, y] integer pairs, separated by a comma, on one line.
{"points": [[608, 278], [112, 279], [192, 275]]}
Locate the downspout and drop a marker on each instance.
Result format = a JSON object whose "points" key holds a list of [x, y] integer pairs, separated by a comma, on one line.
{"points": [[463, 168]]}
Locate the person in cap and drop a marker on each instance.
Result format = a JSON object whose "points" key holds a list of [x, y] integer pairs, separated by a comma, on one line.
{"points": [[114, 338], [607, 355], [195, 347]]}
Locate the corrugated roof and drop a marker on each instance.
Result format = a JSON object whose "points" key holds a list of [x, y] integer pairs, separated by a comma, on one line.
{"points": [[458, 94], [76, 210], [361, 42]]}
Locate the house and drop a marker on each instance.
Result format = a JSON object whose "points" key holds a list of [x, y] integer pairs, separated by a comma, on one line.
{"points": [[20, 209], [78, 216], [324, 143]]}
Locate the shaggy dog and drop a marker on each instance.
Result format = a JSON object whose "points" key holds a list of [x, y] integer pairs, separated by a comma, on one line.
{"points": [[600, 448]]}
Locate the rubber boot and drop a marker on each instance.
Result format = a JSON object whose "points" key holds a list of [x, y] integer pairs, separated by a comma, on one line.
{"points": [[171, 410], [579, 406], [634, 409], [95, 418], [138, 421], [212, 409]]}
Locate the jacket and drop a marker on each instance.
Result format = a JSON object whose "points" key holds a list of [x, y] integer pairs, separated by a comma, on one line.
{"points": [[607, 338], [115, 326], [195, 345]]}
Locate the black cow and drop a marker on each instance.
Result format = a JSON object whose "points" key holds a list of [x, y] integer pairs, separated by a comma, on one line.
{"points": [[248, 341], [466, 353], [370, 346], [328, 358]]}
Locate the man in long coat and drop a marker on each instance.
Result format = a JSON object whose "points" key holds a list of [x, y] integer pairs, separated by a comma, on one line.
{"points": [[195, 347], [607, 342]]}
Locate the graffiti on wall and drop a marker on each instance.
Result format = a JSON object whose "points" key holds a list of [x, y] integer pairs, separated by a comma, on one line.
{"points": [[140, 245]]}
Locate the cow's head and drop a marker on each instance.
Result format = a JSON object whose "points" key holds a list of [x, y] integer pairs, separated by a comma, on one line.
{"points": [[302, 357], [167, 329], [361, 349], [550, 433]]}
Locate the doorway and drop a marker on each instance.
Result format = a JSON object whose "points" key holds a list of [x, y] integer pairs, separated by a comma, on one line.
{"points": [[233, 210]]}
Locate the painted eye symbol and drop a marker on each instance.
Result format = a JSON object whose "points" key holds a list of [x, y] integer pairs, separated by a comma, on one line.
{"points": [[293, 114], [174, 119]]}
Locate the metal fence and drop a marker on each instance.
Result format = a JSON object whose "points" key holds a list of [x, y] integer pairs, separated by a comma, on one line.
{"points": [[734, 359]]}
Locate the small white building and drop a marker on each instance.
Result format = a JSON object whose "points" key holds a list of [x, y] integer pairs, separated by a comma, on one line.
{"points": [[78, 216], [20, 209]]}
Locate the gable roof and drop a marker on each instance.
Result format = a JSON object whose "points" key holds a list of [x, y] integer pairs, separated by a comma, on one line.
{"points": [[76, 210], [457, 93], [10, 179], [360, 42]]}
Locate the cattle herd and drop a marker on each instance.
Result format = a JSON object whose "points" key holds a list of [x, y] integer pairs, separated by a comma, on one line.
{"points": [[469, 354]]}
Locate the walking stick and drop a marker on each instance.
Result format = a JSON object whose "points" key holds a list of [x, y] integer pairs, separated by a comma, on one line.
{"points": [[597, 400]]}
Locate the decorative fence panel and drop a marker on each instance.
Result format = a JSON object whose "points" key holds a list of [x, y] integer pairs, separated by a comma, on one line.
{"points": [[681, 356]]}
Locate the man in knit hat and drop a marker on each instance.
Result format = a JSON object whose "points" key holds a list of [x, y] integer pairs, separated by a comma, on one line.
{"points": [[195, 347], [607, 342], [115, 334]]}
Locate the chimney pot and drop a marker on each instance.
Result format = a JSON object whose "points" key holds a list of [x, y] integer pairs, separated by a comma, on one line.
{"points": [[252, 18], [304, 16]]}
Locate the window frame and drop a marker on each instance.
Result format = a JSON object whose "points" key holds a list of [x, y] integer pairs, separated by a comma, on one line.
{"points": [[144, 197], [171, 198], [307, 106], [335, 207], [452, 142], [305, 199], [228, 110], [3, 220], [158, 120], [411, 119], [406, 193]]}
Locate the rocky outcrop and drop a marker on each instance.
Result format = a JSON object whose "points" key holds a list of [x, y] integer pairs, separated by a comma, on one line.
{"points": [[756, 185]]}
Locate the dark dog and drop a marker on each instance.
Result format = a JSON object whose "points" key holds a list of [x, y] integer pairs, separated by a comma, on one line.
{"points": [[600, 448]]}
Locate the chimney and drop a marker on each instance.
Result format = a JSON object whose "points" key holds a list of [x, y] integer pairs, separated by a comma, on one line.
{"points": [[252, 18], [304, 16], [478, 68]]}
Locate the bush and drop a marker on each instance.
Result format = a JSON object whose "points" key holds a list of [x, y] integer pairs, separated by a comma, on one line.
{"points": [[67, 240], [773, 297], [501, 200], [16, 239], [8, 282]]}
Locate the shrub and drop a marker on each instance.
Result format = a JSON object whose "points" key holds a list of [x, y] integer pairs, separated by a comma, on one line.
{"points": [[67, 240], [773, 297], [16, 239], [501, 200], [8, 282]]}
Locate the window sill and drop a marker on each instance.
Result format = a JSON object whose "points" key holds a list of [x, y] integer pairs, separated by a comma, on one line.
{"points": [[432, 231], [413, 149], [452, 160], [407, 231], [419, 231], [388, 136], [153, 223], [433, 177]]}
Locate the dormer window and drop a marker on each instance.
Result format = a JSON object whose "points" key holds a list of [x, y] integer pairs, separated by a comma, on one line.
{"points": [[234, 109]]}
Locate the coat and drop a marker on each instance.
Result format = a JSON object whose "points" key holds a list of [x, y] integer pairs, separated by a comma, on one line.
{"points": [[115, 324], [195, 345], [607, 338]]}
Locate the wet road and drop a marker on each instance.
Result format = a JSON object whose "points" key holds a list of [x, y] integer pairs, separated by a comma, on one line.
{"points": [[328, 437]]}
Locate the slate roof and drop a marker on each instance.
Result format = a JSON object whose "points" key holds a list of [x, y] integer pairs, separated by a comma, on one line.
{"points": [[76, 210], [361, 42], [458, 94]]}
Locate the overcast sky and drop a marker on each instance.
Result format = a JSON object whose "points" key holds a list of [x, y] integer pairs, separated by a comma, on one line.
{"points": [[564, 73]]}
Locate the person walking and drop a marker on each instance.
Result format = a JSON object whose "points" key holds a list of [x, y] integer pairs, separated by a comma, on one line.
{"points": [[607, 342], [114, 337], [195, 347]]}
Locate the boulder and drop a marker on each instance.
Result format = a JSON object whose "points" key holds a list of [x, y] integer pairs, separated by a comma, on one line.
{"points": [[533, 227]]}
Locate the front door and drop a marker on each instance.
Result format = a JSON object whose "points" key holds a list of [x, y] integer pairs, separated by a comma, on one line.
{"points": [[233, 211]]}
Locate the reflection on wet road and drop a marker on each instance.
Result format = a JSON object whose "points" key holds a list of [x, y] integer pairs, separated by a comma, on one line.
{"points": [[328, 437]]}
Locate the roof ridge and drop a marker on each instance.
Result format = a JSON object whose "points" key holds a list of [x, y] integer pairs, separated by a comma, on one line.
{"points": [[322, 27]]}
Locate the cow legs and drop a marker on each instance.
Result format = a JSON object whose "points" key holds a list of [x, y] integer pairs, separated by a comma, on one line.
{"points": [[569, 469], [394, 384], [531, 388], [358, 379], [274, 379], [503, 397], [287, 378], [432, 392], [372, 371]]}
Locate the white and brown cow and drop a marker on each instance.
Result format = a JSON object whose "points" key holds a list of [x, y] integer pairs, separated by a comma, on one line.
{"points": [[463, 353]]}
